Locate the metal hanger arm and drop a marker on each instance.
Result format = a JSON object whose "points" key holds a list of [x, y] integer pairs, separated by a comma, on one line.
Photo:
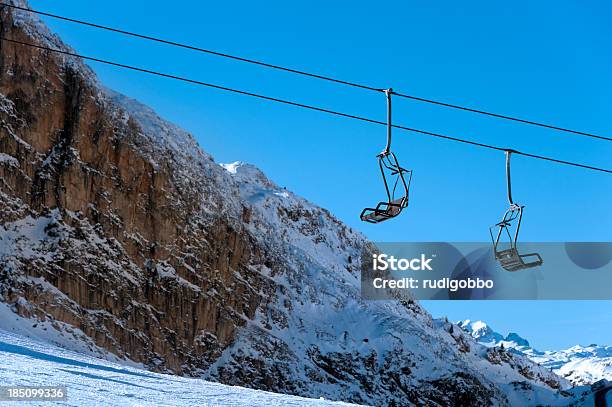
{"points": [[508, 154], [388, 93]]}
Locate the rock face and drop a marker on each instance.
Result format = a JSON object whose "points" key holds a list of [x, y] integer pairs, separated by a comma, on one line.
{"points": [[113, 221], [144, 253]]}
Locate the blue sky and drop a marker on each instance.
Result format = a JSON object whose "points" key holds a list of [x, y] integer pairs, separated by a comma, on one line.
{"points": [[548, 61]]}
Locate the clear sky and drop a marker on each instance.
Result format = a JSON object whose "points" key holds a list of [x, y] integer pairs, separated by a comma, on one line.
{"points": [[548, 61]]}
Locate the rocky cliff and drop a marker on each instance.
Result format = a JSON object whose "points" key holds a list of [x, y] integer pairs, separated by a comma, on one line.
{"points": [[143, 253], [114, 222]]}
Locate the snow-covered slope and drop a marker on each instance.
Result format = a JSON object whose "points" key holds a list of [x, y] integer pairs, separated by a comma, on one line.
{"points": [[54, 334], [581, 365], [317, 316], [96, 382]]}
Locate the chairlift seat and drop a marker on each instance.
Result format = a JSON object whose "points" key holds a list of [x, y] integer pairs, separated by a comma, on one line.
{"points": [[383, 211], [512, 260]]}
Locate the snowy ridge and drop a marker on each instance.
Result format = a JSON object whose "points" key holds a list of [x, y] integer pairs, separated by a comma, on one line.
{"points": [[581, 365], [160, 131], [193, 169]]}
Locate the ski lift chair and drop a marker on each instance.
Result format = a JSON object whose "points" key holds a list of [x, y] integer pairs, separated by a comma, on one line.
{"points": [[389, 168], [509, 257], [392, 206]]}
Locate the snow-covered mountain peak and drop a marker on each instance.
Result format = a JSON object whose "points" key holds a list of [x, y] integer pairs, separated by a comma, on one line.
{"points": [[484, 334], [248, 173], [480, 331], [476, 328], [579, 364]]}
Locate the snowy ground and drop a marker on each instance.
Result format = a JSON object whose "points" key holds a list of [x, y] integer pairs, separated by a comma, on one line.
{"points": [[95, 382]]}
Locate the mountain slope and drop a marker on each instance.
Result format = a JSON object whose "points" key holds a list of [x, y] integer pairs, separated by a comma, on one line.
{"points": [[581, 365], [117, 230], [416, 354]]}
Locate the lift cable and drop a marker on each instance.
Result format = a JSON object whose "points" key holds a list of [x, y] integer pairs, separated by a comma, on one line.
{"points": [[302, 105], [312, 75], [194, 48]]}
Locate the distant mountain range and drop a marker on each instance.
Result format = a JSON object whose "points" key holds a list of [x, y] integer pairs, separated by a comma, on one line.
{"points": [[581, 365]]}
